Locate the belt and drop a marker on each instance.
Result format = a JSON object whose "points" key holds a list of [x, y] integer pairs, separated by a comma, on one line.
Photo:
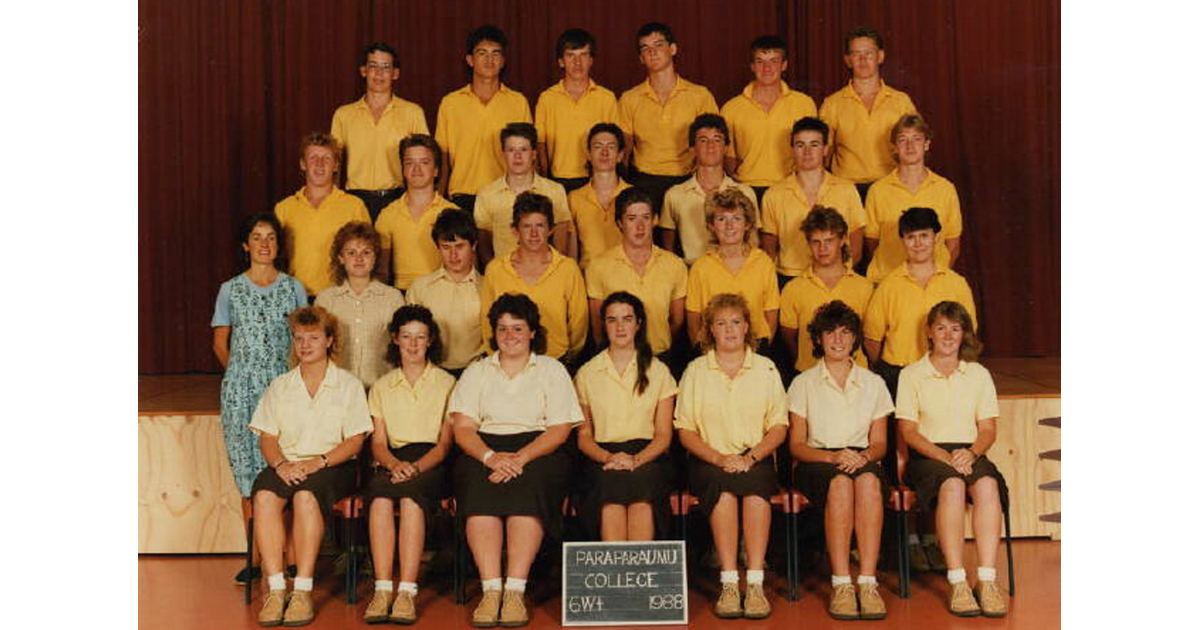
{"points": [[375, 193]]}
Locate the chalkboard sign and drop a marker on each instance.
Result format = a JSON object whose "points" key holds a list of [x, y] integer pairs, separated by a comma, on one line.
{"points": [[624, 583]]}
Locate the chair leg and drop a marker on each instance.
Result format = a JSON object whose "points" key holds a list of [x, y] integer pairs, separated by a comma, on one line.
{"points": [[460, 565], [793, 554], [1012, 582], [902, 544], [249, 555]]}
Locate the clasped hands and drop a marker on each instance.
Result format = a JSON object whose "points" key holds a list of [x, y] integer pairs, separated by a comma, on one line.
{"points": [[295, 472], [962, 460], [622, 461], [505, 466]]}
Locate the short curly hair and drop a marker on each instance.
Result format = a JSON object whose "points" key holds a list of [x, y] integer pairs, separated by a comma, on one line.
{"points": [[315, 317], [731, 199], [971, 346], [414, 313], [518, 306], [828, 318], [355, 230], [720, 302]]}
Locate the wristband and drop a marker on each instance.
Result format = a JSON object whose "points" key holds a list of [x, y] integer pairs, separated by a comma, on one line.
{"points": [[279, 463], [487, 456], [324, 461]]}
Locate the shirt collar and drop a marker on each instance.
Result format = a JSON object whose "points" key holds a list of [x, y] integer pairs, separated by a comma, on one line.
{"points": [[681, 85], [854, 378], [693, 185], [561, 87], [493, 359], [373, 288], [927, 369], [748, 92], [333, 377], [398, 379], [442, 274], [747, 361]]}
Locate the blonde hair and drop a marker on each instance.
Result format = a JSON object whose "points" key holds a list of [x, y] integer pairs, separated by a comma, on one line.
{"points": [[720, 302], [731, 199], [315, 317]]}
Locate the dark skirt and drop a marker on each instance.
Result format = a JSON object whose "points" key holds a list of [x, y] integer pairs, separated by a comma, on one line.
{"points": [[813, 478], [427, 488], [539, 491], [652, 482], [926, 476], [328, 485], [707, 482]]}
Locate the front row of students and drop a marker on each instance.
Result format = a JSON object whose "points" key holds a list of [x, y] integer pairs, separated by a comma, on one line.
{"points": [[511, 412]]}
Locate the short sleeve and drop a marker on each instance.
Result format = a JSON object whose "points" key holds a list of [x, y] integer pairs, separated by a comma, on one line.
{"points": [[581, 386], [667, 385], [770, 286], [540, 111], [770, 212], [383, 226], [777, 402], [625, 117], [856, 215], [592, 280], [797, 396], [708, 104], [679, 288], [695, 288], [562, 210], [357, 418], [789, 306], [875, 321], [667, 215], [883, 401], [954, 226], [441, 131], [871, 210], [375, 399], [266, 420], [299, 292], [562, 407], [323, 298], [482, 212], [827, 113], [221, 316], [987, 406], [908, 404], [465, 397], [685, 406], [337, 127]]}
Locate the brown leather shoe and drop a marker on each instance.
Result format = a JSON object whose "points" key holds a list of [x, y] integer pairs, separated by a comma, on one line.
{"points": [[991, 599], [843, 604], [512, 611], [729, 604], [404, 609], [870, 604], [487, 613], [962, 602], [272, 610], [756, 605], [299, 609], [377, 610]]}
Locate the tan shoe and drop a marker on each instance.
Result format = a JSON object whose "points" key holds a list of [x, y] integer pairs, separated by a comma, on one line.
{"points": [[512, 612], [487, 613], [272, 610], [377, 610], [991, 599], [870, 604], [404, 609], [843, 604], [756, 606], [962, 602], [299, 609], [729, 604]]}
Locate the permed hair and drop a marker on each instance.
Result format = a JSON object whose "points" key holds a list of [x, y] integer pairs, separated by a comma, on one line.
{"points": [[414, 313], [518, 306], [355, 230], [827, 319]]}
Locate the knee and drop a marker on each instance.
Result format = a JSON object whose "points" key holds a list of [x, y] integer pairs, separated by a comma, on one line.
{"points": [[952, 490], [382, 506], [868, 487], [985, 492], [265, 503], [305, 502], [841, 493]]}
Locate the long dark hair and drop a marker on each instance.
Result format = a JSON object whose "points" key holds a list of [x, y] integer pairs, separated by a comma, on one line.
{"points": [[644, 354]]}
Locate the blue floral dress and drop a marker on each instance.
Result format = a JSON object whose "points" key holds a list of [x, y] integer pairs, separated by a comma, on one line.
{"points": [[258, 352]]}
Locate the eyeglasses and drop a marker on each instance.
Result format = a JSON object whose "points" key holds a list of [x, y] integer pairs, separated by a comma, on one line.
{"points": [[380, 67]]}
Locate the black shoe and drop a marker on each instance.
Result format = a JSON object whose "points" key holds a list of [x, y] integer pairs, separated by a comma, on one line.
{"points": [[290, 571], [247, 574]]}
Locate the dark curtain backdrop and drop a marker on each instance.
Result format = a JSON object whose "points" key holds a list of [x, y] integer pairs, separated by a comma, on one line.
{"points": [[227, 88]]}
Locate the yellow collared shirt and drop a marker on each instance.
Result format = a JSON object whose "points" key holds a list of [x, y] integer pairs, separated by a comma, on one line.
{"points": [[731, 414], [309, 426], [762, 140], [363, 319], [888, 198], [755, 281], [663, 281], [494, 210], [683, 211], [537, 398], [373, 147], [310, 233], [563, 124], [785, 207], [619, 413], [837, 417], [468, 130], [946, 408], [900, 305], [861, 149], [412, 412], [595, 224], [559, 294], [804, 294], [455, 308], [658, 132], [410, 240]]}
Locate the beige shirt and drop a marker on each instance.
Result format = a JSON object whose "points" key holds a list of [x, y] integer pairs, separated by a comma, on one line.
{"points": [[309, 426], [362, 325], [494, 209], [683, 211], [619, 413], [455, 308], [946, 408], [412, 413], [731, 414], [837, 417], [538, 397]]}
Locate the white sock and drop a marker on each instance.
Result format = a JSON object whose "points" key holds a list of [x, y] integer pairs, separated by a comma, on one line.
{"points": [[987, 573], [493, 584], [840, 579], [383, 585], [866, 579], [956, 575], [276, 582], [409, 587], [729, 577], [914, 539], [754, 576], [302, 583], [514, 584]]}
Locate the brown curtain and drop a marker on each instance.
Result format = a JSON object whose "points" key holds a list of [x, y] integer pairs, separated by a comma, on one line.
{"points": [[227, 88]]}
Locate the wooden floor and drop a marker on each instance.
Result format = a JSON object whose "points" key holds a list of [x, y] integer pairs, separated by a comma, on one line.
{"points": [[186, 592]]}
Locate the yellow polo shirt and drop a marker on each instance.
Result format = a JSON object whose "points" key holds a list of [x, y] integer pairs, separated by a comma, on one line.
{"points": [[410, 240], [494, 209], [619, 413], [455, 308], [540, 396], [595, 224], [664, 280], [731, 414], [468, 130], [373, 147], [762, 140], [310, 231], [946, 408], [658, 132], [785, 206], [861, 149], [683, 211], [412, 412], [839, 417], [563, 124], [899, 306], [755, 281], [888, 198], [805, 293], [559, 294], [309, 426]]}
